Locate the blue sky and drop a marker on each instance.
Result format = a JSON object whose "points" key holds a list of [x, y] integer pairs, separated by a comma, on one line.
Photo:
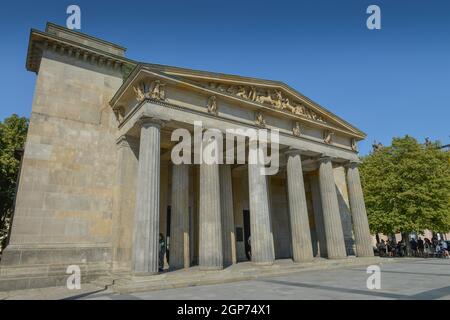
{"points": [[387, 82]]}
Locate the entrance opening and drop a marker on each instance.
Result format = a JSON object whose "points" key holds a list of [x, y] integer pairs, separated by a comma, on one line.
{"points": [[168, 233], [247, 234]]}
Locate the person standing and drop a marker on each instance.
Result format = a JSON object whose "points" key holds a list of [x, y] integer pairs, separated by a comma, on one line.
{"points": [[382, 248], [428, 251], [444, 249], [249, 241], [162, 252], [413, 245], [420, 247]]}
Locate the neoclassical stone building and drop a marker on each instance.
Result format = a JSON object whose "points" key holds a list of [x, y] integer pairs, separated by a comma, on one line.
{"points": [[97, 185]]}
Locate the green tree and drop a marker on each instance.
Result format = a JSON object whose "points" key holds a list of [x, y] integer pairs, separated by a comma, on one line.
{"points": [[407, 187], [13, 132]]}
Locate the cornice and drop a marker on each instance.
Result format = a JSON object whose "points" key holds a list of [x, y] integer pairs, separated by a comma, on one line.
{"points": [[40, 41]]}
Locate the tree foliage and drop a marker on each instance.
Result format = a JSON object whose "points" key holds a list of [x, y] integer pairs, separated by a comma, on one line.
{"points": [[13, 132], [407, 187]]}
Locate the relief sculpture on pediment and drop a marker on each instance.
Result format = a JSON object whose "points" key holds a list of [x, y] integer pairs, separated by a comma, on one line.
{"points": [[266, 96], [138, 91], [212, 105], [150, 90], [158, 91], [259, 120]]}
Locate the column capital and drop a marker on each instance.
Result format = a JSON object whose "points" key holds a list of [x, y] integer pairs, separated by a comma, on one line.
{"points": [[352, 164], [324, 158], [295, 151], [148, 121]]}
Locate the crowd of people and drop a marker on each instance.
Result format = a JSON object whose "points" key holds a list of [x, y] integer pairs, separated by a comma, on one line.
{"points": [[425, 248]]}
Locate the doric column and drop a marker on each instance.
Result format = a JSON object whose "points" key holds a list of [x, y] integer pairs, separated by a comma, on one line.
{"points": [[210, 237], [146, 220], [179, 218], [318, 215], [301, 235], [330, 208], [122, 222], [164, 177], [361, 230], [262, 247], [226, 206]]}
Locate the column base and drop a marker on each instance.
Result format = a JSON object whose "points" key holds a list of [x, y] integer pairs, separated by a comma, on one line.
{"points": [[138, 275], [302, 261], [211, 268], [365, 255], [262, 264], [337, 258]]}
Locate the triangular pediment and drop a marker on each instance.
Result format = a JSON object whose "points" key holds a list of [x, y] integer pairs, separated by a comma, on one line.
{"points": [[272, 96]]}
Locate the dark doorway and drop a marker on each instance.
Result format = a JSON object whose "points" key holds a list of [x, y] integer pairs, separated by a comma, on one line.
{"points": [[168, 233], [247, 234]]}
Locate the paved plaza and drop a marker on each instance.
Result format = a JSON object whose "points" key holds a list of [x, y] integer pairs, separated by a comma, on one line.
{"points": [[404, 279]]}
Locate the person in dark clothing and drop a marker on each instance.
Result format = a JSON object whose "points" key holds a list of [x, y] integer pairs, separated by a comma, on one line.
{"points": [[420, 247], [162, 251], [413, 244], [400, 249]]}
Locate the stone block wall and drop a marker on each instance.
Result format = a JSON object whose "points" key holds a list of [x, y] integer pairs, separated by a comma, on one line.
{"points": [[65, 201]]}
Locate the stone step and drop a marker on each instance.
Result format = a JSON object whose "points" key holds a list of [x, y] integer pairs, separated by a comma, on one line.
{"points": [[103, 282]]}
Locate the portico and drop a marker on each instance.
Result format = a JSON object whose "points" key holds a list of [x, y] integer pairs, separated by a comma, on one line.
{"points": [[313, 206]]}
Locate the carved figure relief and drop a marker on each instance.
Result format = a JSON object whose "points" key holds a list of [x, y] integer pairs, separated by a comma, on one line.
{"points": [[296, 131], [354, 145], [154, 90], [212, 105], [278, 101], [158, 91], [265, 98], [272, 97], [328, 137], [259, 120], [139, 94]]}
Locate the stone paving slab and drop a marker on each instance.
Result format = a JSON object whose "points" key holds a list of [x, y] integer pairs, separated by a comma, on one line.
{"points": [[407, 278], [239, 272], [51, 293], [119, 283]]}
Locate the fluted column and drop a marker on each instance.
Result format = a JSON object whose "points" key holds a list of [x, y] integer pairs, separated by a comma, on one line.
{"points": [[210, 237], [179, 218], [330, 208], [301, 235], [163, 198], [226, 206], [146, 221], [123, 213], [262, 247], [164, 183], [361, 229], [318, 215]]}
